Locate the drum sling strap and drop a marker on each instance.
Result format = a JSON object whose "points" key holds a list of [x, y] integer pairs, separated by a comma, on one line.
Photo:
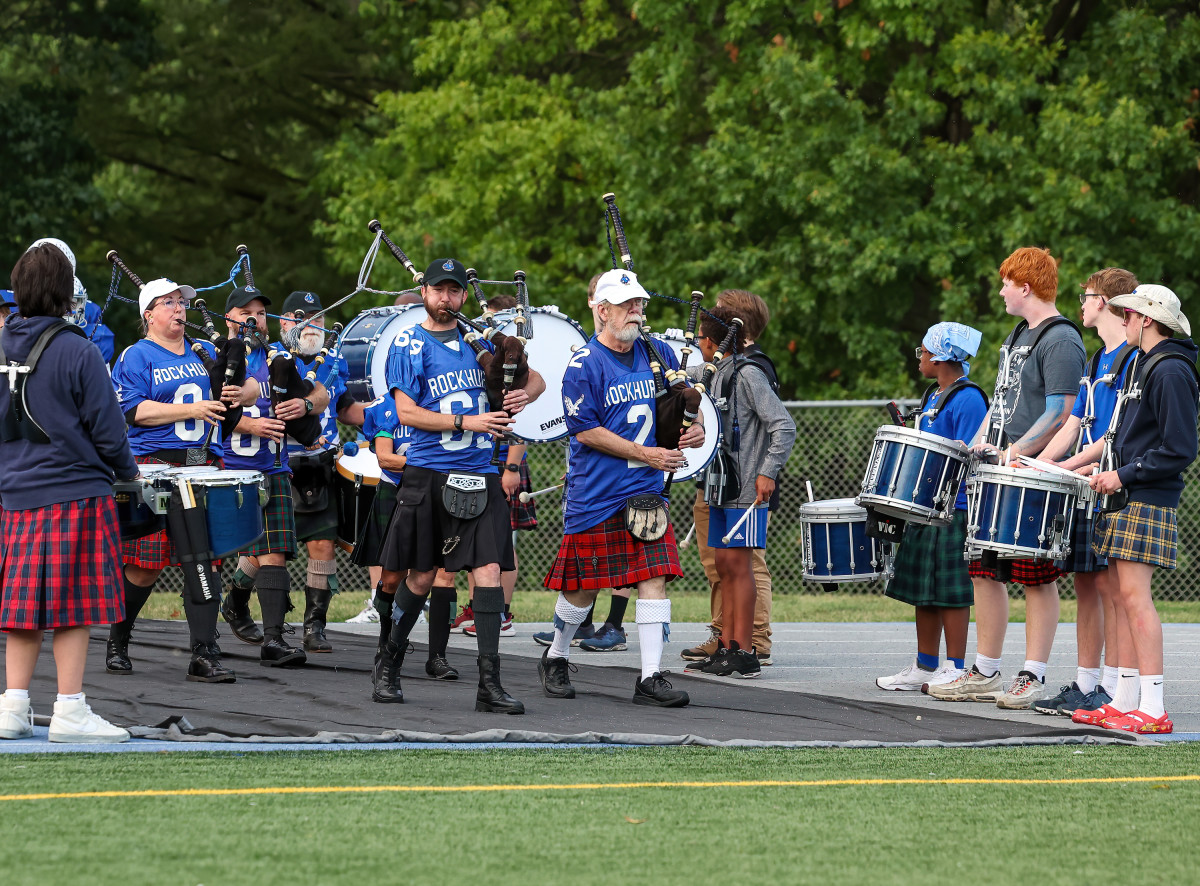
{"points": [[18, 422], [948, 395], [1037, 337]]}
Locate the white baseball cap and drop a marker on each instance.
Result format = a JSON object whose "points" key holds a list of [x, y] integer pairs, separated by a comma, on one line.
{"points": [[617, 287], [160, 287]]}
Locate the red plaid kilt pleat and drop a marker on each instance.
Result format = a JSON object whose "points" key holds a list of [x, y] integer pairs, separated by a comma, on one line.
{"points": [[523, 514], [60, 566], [607, 556], [153, 551], [1022, 572]]}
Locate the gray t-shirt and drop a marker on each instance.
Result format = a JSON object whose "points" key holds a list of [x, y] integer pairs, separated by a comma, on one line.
{"points": [[1054, 366]]}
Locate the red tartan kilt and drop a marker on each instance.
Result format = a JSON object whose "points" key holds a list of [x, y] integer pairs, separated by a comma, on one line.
{"points": [[59, 566], [1022, 572], [523, 515], [607, 556], [153, 551]]}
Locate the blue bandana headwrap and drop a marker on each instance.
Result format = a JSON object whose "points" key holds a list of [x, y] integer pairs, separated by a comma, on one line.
{"points": [[952, 342]]}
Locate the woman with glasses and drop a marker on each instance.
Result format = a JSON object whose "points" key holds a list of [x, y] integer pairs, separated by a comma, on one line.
{"points": [[166, 396]]}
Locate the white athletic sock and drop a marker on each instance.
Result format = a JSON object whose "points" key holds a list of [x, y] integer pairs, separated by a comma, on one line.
{"points": [[1125, 699], [1037, 668], [571, 617], [1109, 683], [74, 696], [17, 693], [986, 666], [1087, 679], [654, 621], [1152, 696]]}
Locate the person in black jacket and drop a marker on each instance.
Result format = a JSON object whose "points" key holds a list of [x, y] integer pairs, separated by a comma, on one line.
{"points": [[1155, 443], [63, 440]]}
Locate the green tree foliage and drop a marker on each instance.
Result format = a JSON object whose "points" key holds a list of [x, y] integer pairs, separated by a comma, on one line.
{"points": [[865, 166]]}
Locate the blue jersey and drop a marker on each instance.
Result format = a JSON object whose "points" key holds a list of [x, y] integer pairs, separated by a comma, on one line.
{"points": [[446, 379], [1104, 396], [98, 332], [599, 391], [148, 371], [334, 370], [245, 451], [379, 420], [958, 421]]}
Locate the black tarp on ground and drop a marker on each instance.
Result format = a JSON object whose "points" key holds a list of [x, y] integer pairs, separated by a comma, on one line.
{"points": [[330, 698]]}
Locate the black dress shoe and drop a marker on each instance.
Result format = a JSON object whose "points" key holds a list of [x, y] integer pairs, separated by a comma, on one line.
{"points": [[385, 678], [440, 669], [315, 639], [657, 691], [491, 697], [241, 623], [116, 660], [316, 610], [555, 676], [206, 666], [276, 653]]}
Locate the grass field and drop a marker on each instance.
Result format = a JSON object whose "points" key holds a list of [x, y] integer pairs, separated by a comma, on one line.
{"points": [[538, 606], [842, 831]]}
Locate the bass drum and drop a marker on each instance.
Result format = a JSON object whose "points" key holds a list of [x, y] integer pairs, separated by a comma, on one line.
{"points": [[697, 459], [365, 344], [556, 337]]}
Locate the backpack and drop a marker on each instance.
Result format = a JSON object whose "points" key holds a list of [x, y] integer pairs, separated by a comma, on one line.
{"points": [[18, 423]]}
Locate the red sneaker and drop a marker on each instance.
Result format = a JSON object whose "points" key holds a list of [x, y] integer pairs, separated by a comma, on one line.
{"points": [[506, 627], [465, 619], [1142, 724], [1096, 717]]}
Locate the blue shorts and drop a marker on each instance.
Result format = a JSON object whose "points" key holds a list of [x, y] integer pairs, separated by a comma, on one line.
{"points": [[751, 534]]}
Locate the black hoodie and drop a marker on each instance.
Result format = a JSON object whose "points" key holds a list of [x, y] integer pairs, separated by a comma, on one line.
{"points": [[1157, 437]]}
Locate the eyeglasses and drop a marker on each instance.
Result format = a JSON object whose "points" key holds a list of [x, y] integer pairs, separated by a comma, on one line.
{"points": [[1084, 296], [1130, 313], [171, 303], [921, 352]]}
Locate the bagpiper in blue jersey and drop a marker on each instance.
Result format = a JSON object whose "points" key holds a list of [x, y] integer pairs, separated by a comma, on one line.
{"points": [[450, 510], [615, 467]]}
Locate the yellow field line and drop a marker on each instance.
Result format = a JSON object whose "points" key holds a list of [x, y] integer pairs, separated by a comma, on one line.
{"points": [[484, 788]]}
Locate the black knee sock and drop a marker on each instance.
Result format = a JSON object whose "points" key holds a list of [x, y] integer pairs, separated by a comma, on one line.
{"points": [[488, 606], [616, 610], [587, 622], [443, 604], [135, 598], [410, 606], [383, 605], [273, 586], [201, 619]]}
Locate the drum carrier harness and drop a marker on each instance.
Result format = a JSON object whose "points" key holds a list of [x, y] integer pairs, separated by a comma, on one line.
{"points": [[18, 423]]}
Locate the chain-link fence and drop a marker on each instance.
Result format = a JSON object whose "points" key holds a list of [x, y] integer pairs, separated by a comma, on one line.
{"points": [[833, 443]]}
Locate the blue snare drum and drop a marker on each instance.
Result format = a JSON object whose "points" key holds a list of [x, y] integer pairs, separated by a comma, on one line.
{"points": [[1020, 513], [233, 503], [835, 543], [139, 507], [914, 475]]}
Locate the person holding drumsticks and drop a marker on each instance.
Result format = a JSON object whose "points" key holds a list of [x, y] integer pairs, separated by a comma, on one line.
{"points": [[1154, 445], [1099, 620], [1033, 400], [930, 572], [63, 440], [609, 394], [166, 395]]}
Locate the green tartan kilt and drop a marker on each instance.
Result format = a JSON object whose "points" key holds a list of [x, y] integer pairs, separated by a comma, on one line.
{"points": [[930, 569]]}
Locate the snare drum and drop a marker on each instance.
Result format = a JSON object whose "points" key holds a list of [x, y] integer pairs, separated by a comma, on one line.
{"points": [[365, 344], [699, 457], [914, 475], [354, 486], [1020, 513], [835, 544], [233, 505], [139, 504], [549, 351]]}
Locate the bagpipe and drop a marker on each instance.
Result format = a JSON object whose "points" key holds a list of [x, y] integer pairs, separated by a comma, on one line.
{"points": [[677, 404]]}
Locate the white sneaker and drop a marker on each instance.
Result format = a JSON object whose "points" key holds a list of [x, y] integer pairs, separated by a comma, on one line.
{"points": [[16, 717], [908, 680], [506, 626], [74, 722], [369, 615], [946, 673]]}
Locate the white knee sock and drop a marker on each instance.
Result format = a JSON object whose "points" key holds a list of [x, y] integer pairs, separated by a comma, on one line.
{"points": [[1152, 696], [570, 617], [1109, 683], [1125, 699], [654, 622], [1086, 679]]}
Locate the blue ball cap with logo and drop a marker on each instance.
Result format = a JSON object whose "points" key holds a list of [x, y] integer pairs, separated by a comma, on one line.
{"points": [[442, 269], [302, 300]]}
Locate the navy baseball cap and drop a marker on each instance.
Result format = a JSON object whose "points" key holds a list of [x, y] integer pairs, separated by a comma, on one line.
{"points": [[302, 300], [242, 296], [6, 299], [445, 269]]}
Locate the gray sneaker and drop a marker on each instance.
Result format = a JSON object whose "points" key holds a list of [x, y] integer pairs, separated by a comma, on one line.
{"points": [[1022, 693], [968, 687]]}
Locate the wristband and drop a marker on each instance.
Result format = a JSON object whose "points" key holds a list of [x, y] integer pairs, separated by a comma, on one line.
{"points": [[458, 422]]}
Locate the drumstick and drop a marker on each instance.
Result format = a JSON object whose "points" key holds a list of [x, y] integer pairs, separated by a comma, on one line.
{"points": [[808, 486], [524, 497], [738, 525], [687, 539]]}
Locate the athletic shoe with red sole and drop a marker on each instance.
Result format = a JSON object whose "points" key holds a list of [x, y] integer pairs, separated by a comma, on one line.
{"points": [[1096, 717], [1139, 723], [465, 619], [506, 628]]}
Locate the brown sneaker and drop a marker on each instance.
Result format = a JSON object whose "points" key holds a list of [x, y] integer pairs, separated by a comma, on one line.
{"points": [[707, 649]]}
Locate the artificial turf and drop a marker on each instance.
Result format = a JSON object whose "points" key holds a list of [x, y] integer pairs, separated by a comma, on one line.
{"points": [[844, 833]]}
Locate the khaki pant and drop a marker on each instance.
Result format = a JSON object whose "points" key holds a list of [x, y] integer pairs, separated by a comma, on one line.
{"points": [[762, 579]]}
